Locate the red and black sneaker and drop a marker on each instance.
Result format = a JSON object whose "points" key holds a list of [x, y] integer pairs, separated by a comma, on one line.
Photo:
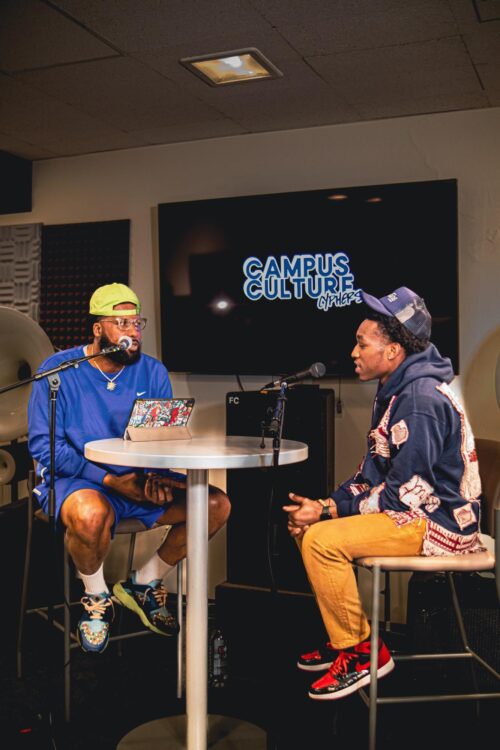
{"points": [[350, 672], [318, 660]]}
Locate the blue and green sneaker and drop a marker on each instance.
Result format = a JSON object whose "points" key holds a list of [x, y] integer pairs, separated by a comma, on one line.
{"points": [[149, 603], [94, 624]]}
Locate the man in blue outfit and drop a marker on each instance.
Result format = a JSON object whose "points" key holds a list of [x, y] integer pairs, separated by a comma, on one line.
{"points": [[416, 492], [94, 402]]}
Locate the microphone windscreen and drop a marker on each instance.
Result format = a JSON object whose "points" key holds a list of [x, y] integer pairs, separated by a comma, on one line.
{"points": [[318, 369], [125, 342]]}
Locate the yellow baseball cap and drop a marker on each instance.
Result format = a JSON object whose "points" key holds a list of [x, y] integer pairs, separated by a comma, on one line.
{"points": [[106, 297]]}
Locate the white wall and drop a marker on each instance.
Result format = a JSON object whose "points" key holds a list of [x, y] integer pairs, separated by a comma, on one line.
{"points": [[130, 184]]}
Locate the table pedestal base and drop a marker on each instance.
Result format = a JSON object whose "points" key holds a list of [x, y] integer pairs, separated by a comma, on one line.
{"points": [[224, 733]]}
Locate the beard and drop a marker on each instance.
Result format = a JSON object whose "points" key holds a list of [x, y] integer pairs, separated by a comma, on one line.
{"points": [[123, 357]]}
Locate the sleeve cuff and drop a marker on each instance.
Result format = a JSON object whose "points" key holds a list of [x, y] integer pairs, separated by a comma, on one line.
{"points": [[345, 508], [341, 495], [93, 473]]}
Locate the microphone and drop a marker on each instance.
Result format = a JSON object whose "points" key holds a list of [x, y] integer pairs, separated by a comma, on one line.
{"points": [[316, 370], [124, 342]]}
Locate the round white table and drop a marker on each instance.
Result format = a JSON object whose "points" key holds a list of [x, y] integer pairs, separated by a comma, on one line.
{"points": [[196, 456]]}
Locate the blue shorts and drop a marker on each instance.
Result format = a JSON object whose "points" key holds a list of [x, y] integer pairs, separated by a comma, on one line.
{"points": [[147, 513]]}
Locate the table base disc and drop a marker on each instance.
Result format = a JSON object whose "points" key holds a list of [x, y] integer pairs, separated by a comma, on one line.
{"points": [[224, 733]]}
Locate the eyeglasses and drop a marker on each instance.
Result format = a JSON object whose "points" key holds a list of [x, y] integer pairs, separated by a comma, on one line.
{"points": [[123, 323]]}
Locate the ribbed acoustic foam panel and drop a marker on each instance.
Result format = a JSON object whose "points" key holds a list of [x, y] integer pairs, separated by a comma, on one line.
{"points": [[76, 259], [20, 253], [20, 256]]}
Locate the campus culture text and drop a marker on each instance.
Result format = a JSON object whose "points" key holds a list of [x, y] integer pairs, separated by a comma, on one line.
{"points": [[324, 277]]}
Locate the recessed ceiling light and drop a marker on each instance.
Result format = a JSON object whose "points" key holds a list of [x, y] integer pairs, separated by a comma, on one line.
{"points": [[236, 66], [375, 199], [338, 197]]}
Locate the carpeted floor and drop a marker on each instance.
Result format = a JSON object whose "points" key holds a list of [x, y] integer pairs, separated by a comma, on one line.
{"points": [[112, 693]]}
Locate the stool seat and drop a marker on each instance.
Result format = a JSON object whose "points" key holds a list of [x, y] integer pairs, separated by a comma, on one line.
{"points": [[472, 563]]}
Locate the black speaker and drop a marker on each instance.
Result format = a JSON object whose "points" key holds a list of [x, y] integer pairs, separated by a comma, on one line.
{"points": [[15, 185], [432, 626], [257, 495]]}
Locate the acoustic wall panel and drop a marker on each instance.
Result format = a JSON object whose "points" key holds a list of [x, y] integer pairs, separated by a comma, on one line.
{"points": [[76, 259], [20, 254]]}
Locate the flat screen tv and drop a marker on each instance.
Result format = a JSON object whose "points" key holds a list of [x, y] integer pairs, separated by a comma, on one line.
{"points": [[269, 284]]}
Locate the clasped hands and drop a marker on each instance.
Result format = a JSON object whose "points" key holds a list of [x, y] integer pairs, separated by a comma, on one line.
{"points": [[303, 513], [150, 487]]}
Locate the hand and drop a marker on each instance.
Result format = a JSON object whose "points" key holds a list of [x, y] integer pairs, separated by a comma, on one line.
{"points": [[129, 485], [297, 532], [303, 513], [159, 489]]}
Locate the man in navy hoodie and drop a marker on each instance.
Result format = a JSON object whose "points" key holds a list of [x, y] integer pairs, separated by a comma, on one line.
{"points": [[417, 490]]}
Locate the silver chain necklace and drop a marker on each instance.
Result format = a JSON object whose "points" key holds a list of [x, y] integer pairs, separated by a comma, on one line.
{"points": [[111, 385]]}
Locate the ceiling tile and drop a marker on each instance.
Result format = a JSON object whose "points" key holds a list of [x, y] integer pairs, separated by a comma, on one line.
{"points": [[92, 141], [319, 27], [392, 73], [472, 15], [26, 150], [34, 35], [190, 132], [149, 24], [122, 92], [484, 47], [426, 105], [38, 118]]}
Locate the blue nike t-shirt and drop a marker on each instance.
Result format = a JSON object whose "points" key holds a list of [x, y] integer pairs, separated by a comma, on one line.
{"points": [[86, 410]]}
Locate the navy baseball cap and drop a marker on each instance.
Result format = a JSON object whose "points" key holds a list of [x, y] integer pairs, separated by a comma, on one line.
{"points": [[406, 306]]}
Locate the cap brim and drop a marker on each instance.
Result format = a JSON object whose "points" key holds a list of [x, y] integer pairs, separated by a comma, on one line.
{"points": [[375, 304]]}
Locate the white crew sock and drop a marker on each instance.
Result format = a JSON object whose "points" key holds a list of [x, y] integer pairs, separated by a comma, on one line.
{"points": [[152, 570], [94, 583]]}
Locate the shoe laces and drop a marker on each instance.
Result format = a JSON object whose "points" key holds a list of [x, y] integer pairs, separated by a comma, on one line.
{"points": [[341, 663], [96, 607], [159, 593]]}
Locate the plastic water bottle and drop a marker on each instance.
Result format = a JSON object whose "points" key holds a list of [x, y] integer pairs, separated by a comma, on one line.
{"points": [[217, 672]]}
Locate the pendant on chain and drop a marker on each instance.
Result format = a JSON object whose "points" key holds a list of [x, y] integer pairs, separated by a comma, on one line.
{"points": [[111, 386]]}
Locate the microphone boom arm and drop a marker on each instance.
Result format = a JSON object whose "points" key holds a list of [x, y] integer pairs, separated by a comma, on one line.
{"points": [[63, 366]]}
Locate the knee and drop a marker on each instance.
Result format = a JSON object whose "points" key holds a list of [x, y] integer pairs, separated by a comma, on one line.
{"points": [[219, 506], [319, 541], [308, 540], [87, 517]]}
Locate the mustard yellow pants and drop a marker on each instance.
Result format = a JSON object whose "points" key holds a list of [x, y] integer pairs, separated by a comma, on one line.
{"points": [[328, 548]]}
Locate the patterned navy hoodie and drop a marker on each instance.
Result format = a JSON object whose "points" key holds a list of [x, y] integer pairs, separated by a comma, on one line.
{"points": [[421, 460]]}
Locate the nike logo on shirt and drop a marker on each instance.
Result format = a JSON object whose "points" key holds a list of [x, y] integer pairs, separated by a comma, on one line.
{"points": [[141, 393]]}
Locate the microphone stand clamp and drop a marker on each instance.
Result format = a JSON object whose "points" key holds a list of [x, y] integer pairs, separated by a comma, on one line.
{"points": [[275, 426]]}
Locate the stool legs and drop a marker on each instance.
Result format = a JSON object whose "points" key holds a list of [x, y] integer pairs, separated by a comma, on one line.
{"points": [[372, 715], [67, 637], [24, 590], [180, 636]]}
